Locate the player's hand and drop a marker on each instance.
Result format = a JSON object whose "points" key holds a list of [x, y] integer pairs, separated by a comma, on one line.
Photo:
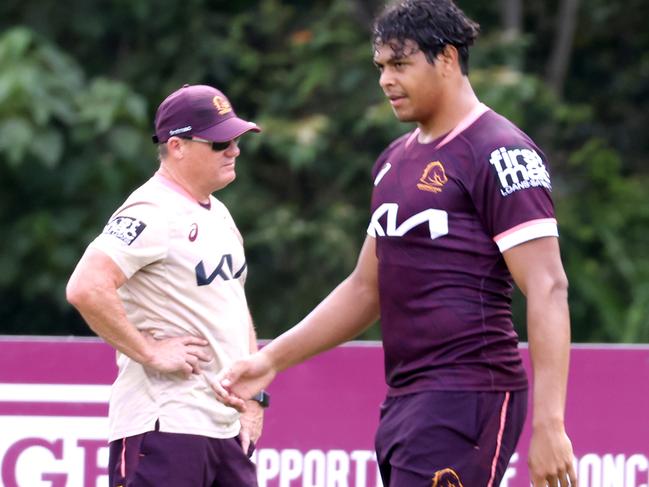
{"points": [[243, 379], [252, 421], [550, 458], [182, 355]]}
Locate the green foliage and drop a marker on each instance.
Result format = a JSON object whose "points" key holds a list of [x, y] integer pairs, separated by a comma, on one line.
{"points": [[36, 83], [78, 92], [303, 190], [605, 218], [67, 147]]}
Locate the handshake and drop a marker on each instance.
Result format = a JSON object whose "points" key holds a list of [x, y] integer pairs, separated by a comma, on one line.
{"points": [[244, 380]]}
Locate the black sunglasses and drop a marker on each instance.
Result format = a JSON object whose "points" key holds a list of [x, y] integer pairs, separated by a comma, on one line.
{"points": [[216, 146]]}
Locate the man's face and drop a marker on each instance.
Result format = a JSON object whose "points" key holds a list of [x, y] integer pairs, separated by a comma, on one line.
{"points": [[412, 84], [213, 170]]}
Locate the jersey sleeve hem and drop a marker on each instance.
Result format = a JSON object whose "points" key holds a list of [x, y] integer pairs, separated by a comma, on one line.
{"points": [[544, 227], [127, 269]]}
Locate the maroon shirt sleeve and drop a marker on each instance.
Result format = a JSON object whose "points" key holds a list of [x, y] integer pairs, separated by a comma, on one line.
{"points": [[512, 182]]}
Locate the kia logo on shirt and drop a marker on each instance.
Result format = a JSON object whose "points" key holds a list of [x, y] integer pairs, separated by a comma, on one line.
{"points": [[224, 270]]}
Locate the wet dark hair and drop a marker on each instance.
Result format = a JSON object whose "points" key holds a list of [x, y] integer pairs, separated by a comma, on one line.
{"points": [[431, 24]]}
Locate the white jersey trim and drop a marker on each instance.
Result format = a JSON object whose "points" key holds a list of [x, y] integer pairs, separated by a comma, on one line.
{"points": [[544, 227], [466, 122]]}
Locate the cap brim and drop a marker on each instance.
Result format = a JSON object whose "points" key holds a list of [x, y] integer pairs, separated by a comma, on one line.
{"points": [[227, 130]]}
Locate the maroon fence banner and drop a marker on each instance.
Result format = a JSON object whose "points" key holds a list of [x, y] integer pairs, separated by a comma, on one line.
{"points": [[319, 430]]}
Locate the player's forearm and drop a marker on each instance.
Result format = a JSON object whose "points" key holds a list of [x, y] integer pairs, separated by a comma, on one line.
{"points": [[253, 336], [103, 311], [350, 309], [549, 345]]}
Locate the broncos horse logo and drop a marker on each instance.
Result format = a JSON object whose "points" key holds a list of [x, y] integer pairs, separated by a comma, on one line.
{"points": [[434, 178], [446, 478]]}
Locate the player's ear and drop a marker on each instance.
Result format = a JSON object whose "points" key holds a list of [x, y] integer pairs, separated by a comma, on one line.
{"points": [[448, 58], [175, 147]]}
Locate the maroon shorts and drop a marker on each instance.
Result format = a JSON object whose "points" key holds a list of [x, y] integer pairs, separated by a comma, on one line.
{"points": [[155, 459], [450, 439]]}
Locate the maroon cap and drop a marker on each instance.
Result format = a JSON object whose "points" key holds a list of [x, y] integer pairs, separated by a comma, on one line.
{"points": [[199, 111]]}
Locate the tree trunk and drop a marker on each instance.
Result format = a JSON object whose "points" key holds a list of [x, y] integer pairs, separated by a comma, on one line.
{"points": [[558, 65], [511, 13]]}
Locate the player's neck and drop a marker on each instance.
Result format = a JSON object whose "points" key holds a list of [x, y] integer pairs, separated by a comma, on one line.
{"points": [[453, 109], [183, 183]]}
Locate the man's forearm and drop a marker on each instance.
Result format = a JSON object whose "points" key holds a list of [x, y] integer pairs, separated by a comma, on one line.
{"points": [[92, 289], [549, 345], [104, 313], [344, 314]]}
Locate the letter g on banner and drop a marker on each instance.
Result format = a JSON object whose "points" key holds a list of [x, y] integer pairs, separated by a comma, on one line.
{"points": [[17, 449]]}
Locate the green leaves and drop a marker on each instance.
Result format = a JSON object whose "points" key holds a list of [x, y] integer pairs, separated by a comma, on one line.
{"points": [[37, 87], [604, 216], [79, 84], [57, 130]]}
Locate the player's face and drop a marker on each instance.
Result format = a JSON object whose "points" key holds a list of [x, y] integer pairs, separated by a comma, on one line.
{"points": [[210, 169], [414, 86]]}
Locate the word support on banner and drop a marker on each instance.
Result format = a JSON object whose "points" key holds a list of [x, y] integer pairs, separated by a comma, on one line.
{"points": [[54, 427]]}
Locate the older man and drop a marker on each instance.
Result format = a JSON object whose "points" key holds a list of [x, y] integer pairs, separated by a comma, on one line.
{"points": [[164, 285]]}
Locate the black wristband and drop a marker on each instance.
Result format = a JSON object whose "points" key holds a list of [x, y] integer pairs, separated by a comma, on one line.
{"points": [[263, 398]]}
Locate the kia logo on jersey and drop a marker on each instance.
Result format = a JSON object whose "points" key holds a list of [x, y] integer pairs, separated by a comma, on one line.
{"points": [[224, 270], [437, 221]]}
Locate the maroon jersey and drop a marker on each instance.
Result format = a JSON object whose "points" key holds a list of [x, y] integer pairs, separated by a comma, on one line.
{"points": [[442, 214]]}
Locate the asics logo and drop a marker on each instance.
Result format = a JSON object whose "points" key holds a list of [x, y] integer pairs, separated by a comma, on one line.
{"points": [[193, 232]]}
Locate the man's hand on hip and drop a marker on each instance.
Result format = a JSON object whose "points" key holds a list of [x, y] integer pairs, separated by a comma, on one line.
{"points": [[177, 355]]}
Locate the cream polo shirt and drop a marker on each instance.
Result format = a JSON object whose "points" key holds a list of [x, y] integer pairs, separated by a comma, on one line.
{"points": [[186, 269]]}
